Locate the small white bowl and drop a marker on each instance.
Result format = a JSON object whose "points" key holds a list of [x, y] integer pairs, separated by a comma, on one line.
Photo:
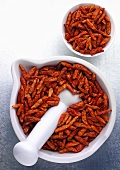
{"points": [[97, 142], [112, 34]]}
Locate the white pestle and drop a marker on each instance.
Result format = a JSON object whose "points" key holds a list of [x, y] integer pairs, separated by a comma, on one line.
{"points": [[26, 152]]}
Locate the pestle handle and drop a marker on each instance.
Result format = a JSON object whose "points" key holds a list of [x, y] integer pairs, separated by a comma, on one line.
{"points": [[26, 152]]}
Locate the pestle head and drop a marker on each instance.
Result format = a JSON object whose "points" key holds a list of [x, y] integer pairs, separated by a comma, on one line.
{"points": [[25, 153]]}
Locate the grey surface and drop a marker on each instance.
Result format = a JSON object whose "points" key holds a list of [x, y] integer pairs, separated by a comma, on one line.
{"points": [[17, 41]]}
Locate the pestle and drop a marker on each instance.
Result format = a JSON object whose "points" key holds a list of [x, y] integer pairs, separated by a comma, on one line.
{"points": [[26, 152]]}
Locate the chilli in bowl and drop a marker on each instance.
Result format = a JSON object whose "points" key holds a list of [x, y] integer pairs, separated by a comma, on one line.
{"points": [[88, 29]]}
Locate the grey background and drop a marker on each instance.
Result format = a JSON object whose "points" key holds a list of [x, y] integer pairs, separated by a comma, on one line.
{"points": [[17, 41]]}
